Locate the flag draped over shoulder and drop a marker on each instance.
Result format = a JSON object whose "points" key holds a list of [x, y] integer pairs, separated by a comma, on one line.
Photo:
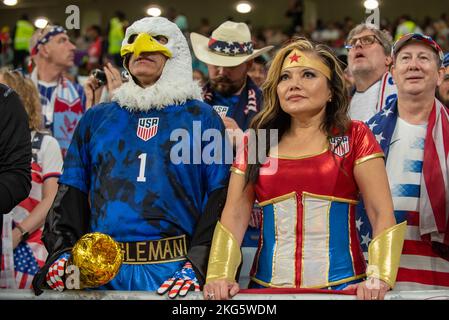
{"points": [[434, 196]]}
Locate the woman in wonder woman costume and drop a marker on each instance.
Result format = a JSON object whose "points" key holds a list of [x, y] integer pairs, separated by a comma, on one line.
{"points": [[323, 161]]}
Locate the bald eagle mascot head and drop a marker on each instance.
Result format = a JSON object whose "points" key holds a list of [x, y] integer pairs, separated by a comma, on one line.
{"points": [[175, 85]]}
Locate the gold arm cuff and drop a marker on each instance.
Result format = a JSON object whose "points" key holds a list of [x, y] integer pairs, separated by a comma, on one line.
{"points": [[237, 171], [384, 254], [225, 256], [370, 157]]}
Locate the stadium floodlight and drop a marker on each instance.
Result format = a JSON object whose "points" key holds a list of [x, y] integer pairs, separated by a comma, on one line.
{"points": [[41, 22], [371, 4], [243, 7], [154, 11], [10, 2]]}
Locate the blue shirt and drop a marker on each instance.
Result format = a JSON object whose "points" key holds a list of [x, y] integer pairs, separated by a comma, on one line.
{"points": [[137, 191]]}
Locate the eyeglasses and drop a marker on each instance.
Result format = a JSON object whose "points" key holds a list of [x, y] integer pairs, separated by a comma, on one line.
{"points": [[364, 41]]}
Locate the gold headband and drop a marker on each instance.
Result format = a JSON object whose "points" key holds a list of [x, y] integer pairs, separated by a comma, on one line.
{"points": [[297, 58]]}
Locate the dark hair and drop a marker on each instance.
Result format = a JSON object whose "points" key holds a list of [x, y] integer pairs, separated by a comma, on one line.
{"points": [[97, 28], [336, 120]]}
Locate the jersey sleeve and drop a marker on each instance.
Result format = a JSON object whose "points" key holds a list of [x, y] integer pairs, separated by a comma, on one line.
{"points": [[365, 145], [51, 158], [77, 166]]}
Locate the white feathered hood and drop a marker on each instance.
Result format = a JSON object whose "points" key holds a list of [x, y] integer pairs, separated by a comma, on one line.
{"points": [[176, 84]]}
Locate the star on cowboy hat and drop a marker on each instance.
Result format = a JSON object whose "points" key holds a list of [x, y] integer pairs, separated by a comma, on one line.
{"points": [[229, 45]]}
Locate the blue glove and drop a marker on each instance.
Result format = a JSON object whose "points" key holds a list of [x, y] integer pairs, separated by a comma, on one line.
{"points": [[181, 283]]}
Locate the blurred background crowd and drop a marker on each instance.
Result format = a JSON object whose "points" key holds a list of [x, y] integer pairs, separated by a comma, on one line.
{"points": [[99, 43]]}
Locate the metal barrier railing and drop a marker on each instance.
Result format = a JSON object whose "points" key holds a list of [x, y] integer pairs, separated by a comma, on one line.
{"points": [[8, 294]]}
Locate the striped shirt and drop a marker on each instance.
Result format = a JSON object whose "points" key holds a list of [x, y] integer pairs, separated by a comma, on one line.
{"points": [[420, 268], [31, 254]]}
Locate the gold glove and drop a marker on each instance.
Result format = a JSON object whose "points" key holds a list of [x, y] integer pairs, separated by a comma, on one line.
{"points": [[384, 254], [225, 256]]}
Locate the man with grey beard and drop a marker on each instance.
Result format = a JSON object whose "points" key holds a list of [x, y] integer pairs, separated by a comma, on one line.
{"points": [[368, 61], [229, 55]]}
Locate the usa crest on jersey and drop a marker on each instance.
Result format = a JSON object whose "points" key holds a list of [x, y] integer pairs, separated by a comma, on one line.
{"points": [[339, 145], [221, 110], [147, 128]]}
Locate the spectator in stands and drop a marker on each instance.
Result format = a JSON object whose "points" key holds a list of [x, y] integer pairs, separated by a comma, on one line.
{"points": [[95, 50], [295, 12], [368, 62], [405, 26], [413, 131], [15, 153], [63, 102], [258, 71], [307, 187], [230, 88], [28, 217], [23, 32], [116, 33], [99, 191]]}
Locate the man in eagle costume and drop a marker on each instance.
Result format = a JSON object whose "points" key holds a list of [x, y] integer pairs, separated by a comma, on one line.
{"points": [[122, 175]]}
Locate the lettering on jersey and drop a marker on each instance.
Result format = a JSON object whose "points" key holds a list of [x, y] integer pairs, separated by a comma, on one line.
{"points": [[147, 128], [339, 145], [221, 110], [154, 251]]}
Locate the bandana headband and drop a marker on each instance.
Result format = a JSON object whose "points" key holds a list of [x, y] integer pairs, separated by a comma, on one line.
{"points": [[54, 31], [229, 48], [297, 58]]}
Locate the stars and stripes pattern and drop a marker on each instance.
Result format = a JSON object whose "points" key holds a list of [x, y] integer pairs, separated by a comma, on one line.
{"points": [[434, 197], [25, 265], [31, 254], [181, 283], [230, 48], [434, 209], [421, 267]]}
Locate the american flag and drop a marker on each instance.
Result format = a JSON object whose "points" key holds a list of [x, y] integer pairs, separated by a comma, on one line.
{"points": [[25, 265], [28, 256], [434, 195]]}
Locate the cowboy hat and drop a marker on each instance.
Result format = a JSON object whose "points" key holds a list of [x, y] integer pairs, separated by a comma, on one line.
{"points": [[229, 45]]}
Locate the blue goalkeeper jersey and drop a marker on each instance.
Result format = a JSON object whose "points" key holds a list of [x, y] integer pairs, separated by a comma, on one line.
{"points": [[148, 175]]}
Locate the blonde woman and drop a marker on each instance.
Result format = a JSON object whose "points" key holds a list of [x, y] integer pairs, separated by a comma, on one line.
{"points": [[28, 217], [323, 159]]}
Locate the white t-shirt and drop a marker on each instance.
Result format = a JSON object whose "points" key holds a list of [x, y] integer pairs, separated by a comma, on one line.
{"points": [[404, 164], [420, 267], [363, 104]]}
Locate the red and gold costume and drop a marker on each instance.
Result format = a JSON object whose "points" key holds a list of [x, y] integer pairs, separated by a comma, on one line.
{"points": [[309, 237]]}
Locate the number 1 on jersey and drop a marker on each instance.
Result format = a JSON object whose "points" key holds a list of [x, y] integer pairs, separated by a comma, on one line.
{"points": [[143, 162]]}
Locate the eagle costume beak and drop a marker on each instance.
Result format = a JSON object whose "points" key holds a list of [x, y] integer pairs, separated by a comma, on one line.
{"points": [[144, 43]]}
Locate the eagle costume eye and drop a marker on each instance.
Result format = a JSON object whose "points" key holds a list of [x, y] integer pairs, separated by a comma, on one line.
{"points": [[132, 38], [161, 39]]}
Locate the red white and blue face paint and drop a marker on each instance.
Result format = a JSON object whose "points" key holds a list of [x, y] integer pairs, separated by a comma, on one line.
{"points": [[420, 38], [54, 31]]}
